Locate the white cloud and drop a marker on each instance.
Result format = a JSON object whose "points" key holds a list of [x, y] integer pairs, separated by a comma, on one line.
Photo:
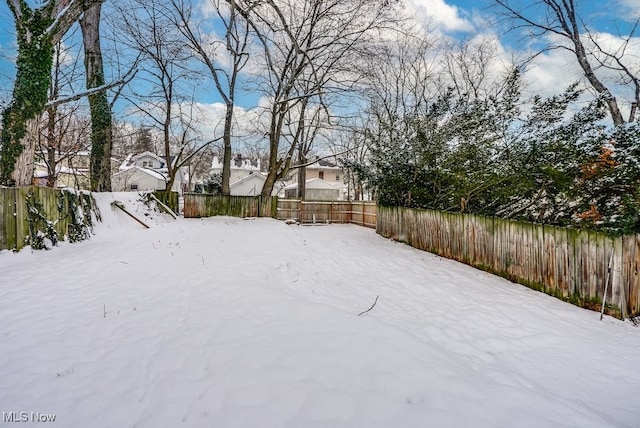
{"points": [[630, 6], [246, 122], [436, 12], [553, 71]]}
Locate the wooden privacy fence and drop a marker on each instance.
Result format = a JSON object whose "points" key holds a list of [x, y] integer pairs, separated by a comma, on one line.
{"points": [[570, 264], [200, 205], [356, 212], [55, 204], [169, 198]]}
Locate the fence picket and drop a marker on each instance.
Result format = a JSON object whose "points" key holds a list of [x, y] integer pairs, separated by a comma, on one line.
{"points": [[14, 226], [567, 263]]}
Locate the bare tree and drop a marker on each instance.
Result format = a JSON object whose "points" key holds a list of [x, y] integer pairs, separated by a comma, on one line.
{"points": [[470, 67], [198, 166], [401, 83], [307, 49], [224, 59], [38, 29], [350, 147], [66, 137], [614, 60], [65, 127], [165, 61], [560, 18]]}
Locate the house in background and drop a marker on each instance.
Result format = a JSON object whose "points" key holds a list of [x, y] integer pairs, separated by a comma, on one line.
{"points": [[251, 185], [326, 170], [245, 178], [144, 160], [146, 171], [241, 167], [71, 170], [316, 189]]}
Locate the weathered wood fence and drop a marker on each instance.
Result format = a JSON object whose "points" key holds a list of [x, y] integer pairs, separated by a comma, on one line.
{"points": [[14, 224], [356, 212], [169, 198], [570, 264], [201, 205]]}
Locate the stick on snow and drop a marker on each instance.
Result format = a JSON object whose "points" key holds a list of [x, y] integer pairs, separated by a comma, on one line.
{"points": [[374, 303], [119, 205], [606, 286], [165, 207]]}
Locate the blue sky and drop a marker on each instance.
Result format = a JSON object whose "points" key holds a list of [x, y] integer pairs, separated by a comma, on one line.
{"points": [[456, 19]]}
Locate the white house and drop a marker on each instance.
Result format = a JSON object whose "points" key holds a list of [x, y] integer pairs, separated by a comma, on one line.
{"points": [[240, 167], [136, 178], [324, 170], [316, 189], [146, 171], [251, 185], [144, 160]]}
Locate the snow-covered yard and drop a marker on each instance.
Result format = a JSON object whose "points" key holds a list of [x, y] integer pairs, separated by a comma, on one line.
{"points": [[224, 322]]}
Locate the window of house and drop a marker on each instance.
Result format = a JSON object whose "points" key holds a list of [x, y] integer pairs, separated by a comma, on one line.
{"points": [[321, 175], [337, 177], [133, 187], [144, 164]]}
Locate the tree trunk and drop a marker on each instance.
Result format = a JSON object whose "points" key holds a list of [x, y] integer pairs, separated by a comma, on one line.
{"points": [[273, 165], [269, 183], [51, 148], [170, 181], [101, 122], [30, 94], [23, 173], [166, 131], [581, 55], [226, 158], [302, 176]]}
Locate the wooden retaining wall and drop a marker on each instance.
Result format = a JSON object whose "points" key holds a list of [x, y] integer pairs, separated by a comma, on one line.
{"points": [[356, 212], [200, 205], [570, 264]]}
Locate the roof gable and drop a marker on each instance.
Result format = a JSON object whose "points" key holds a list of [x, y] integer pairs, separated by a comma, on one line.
{"points": [[147, 154], [138, 170], [256, 176]]}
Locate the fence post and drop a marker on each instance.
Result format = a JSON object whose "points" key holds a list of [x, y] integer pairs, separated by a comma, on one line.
{"points": [[15, 218]]}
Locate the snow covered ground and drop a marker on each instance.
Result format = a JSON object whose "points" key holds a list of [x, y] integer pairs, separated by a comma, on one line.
{"points": [[225, 322]]}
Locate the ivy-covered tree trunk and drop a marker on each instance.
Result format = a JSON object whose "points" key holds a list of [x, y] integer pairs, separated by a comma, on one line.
{"points": [[37, 31], [101, 120], [19, 119]]}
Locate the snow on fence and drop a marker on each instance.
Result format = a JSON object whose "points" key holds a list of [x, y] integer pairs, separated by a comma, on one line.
{"points": [[53, 206], [570, 264], [356, 212], [200, 205]]}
